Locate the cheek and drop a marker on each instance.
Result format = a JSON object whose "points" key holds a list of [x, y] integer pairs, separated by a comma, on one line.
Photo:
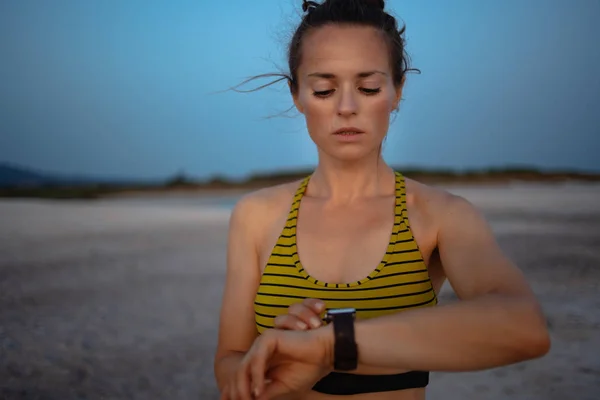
{"points": [[318, 112], [380, 109], [311, 104], [382, 105]]}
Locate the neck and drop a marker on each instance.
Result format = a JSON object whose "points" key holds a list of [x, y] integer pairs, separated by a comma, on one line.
{"points": [[345, 182]]}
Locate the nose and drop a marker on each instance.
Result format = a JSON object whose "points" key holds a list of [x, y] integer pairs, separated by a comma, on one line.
{"points": [[347, 103]]}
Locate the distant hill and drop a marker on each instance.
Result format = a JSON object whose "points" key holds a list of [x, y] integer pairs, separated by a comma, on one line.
{"points": [[23, 182], [13, 176], [17, 181]]}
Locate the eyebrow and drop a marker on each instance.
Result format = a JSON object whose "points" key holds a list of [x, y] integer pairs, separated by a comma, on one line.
{"points": [[327, 75]]}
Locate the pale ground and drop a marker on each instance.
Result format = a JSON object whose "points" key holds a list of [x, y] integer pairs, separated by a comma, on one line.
{"points": [[117, 299]]}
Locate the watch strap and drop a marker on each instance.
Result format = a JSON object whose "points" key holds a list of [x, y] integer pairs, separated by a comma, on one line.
{"points": [[345, 349]]}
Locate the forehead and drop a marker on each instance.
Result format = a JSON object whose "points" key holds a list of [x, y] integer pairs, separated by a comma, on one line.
{"points": [[344, 50]]}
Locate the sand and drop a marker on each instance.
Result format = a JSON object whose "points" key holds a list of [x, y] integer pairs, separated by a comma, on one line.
{"points": [[119, 299]]}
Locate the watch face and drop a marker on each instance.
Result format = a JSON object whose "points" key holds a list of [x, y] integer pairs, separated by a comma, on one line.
{"points": [[335, 311], [339, 311]]}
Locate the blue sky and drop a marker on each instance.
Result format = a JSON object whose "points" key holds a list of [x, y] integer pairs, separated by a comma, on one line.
{"points": [[125, 88]]}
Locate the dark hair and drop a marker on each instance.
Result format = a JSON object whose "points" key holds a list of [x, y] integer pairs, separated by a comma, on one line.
{"points": [[345, 12]]}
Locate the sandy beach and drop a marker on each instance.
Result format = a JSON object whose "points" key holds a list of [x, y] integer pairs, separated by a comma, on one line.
{"points": [[119, 299]]}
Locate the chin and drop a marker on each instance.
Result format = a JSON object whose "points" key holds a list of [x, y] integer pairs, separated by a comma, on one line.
{"points": [[350, 153]]}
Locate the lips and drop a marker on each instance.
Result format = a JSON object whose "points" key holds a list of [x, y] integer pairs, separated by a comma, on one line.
{"points": [[348, 131]]}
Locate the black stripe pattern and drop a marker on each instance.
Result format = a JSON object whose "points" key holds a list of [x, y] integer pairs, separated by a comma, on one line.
{"points": [[400, 281]]}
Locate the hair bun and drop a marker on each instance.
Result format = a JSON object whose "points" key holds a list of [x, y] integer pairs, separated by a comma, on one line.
{"points": [[308, 5], [376, 3]]}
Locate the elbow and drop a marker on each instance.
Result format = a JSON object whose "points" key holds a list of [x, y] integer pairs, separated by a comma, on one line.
{"points": [[535, 334], [536, 345]]}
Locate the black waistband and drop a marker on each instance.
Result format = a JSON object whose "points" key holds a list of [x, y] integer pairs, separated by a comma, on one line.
{"points": [[344, 383]]}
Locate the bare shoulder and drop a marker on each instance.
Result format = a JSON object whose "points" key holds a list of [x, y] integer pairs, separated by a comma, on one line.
{"points": [[264, 198], [256, 213], [263, 205], [441, 207], [475, 264], [453, 216], [470, 254]]}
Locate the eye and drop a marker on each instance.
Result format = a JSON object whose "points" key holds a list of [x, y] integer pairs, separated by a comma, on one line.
{"points": [[323, 93], [326, 93], [370, 92]]}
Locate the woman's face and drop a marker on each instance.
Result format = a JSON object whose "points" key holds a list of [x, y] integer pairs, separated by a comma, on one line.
{"points": [[345, 82]]}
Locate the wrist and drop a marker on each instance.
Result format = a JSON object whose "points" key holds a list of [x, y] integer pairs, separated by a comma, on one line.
{"points": [[345, 348], [326, 338]]}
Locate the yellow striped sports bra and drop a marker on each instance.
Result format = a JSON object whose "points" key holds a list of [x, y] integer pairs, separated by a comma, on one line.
{"points": [[401, 281]]}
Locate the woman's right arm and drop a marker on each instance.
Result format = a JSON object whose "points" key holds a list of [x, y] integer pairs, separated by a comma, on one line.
{"points": [[237, 328]]}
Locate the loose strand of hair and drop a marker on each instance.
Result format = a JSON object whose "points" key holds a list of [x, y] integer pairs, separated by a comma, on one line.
{"points": [[267, 75]]}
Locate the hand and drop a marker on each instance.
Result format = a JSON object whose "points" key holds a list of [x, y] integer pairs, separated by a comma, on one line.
{"points": [[302, 316], [283, 362]]}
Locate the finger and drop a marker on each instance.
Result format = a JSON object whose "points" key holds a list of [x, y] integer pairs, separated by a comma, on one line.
{"points": [[318, 306], [225, 393], [228, 392], [273, 391], [290, 322], [305, 314], [242, 381], [232, 390], [258, 365]]}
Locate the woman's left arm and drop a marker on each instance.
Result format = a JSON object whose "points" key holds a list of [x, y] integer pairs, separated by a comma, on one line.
{"points": [[497, 321]]}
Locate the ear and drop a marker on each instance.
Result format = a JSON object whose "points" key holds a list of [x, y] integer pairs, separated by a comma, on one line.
{"points": [[295, 98], [398, 93]]}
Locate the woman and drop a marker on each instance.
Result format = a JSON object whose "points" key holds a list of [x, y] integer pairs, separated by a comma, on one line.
{"points": [[359, 245]]}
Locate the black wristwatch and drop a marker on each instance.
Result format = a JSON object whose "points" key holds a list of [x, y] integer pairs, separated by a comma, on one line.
{"points": [[345, 350]]}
